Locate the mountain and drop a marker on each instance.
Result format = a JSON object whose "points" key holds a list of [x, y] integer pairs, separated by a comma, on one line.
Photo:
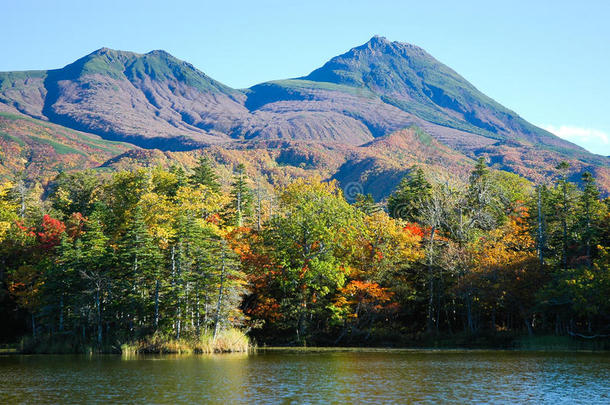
{"points": [[152, 100], [375, 167], [39, 149], [355, 104]]}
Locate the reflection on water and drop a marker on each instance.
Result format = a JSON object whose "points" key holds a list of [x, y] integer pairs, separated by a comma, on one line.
{"points": [[310, 377]]}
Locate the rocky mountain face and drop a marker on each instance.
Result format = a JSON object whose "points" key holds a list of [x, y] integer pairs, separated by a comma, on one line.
{"points": [[360, 98]]}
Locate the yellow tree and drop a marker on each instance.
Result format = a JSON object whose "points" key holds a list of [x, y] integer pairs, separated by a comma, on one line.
{"points": [[383, 252], [506, 274], [8, 209]]}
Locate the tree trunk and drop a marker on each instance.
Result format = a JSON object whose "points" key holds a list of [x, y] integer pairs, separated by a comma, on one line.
{"points": [[61, 313], [527, 321], [528, 324], [540, 232], [564, 223], [99, 317], [220, 291], [197, 315], [156, 305], [469, 318], [430, 282], [301, 323]]}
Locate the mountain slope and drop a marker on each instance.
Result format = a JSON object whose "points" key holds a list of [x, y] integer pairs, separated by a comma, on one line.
{"points": [[368, 94], [408, 77], [39, 150], [154, 99]]}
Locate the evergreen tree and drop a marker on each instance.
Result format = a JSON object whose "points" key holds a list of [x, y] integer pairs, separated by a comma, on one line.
{"points": [[241, 196], [367, 204], [411, 195], [563, 200], [205, 175], [589, 206], [139, 261]]}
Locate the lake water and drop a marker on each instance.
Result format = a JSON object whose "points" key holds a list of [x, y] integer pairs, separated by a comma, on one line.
{"points": [[310, 377]]}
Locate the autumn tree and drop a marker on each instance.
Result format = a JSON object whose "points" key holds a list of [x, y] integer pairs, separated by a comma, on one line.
{"points": [[310, 239]]}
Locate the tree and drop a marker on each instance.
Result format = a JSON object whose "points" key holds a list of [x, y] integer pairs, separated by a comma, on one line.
{"points": [[139, 260], [75, 192], [310, 241], [564, 203], [590, 208], [241, 195], [411, 195], [384, 252], [8, 211], [205, 175], [366, 204], [95, 266], [505, 273]]}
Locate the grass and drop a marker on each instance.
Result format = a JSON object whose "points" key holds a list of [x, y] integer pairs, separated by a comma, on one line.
{"points": [[227, 341], [312, 85], [59, 147], [8, 349], [13, 138], [113, 147], [8, 79], [59, 344]]}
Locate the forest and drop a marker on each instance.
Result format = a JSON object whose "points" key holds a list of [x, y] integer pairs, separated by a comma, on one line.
{"points": [[153, 257]]}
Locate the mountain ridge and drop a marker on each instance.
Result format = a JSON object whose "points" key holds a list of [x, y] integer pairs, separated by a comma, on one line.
{"points": [[154, 100]]}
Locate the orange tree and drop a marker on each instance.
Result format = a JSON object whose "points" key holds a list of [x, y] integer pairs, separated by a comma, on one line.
{"points": [[379, 281]]}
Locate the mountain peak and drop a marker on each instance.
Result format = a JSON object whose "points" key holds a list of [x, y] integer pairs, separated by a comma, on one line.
{"points": [[377, 42], [161, 53], [127, 56], [104, 51], [378, 39], [377, 64]]}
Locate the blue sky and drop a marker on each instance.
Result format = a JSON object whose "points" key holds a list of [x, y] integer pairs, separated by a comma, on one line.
{"points": [[547, 60]]}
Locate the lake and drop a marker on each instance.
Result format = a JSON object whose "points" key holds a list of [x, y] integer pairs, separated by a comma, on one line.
{"points": [[309, 376]]}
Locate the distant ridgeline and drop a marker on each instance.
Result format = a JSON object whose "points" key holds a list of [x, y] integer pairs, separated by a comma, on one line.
{"points": [[365, 116], [171, 260]]}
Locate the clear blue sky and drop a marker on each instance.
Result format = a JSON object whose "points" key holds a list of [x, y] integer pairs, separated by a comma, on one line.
{"points": [[547, 60]]}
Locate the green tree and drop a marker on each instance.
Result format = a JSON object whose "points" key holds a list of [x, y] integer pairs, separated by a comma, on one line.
{"points": [[241, 197], [367, 204], [205, 175], [411, 195], [139, 261], [75, 192], [590, 208], [95, 267], [311, 241]]}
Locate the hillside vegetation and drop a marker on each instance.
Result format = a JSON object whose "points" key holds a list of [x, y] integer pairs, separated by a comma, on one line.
{"points": [[165, 260]]}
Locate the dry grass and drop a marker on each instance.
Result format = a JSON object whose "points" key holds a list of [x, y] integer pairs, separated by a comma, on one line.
{"points": [[227, 341]]}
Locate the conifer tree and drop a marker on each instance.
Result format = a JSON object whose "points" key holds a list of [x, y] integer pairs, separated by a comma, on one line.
{"points": [[589, 207], [241, 196], [205, 175], [411, 195]]}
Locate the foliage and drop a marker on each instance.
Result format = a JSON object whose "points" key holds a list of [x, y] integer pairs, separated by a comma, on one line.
{"points": [[159, 260]]}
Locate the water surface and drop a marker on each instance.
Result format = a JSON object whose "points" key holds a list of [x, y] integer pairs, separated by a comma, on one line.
{"points": [[310, 377]]}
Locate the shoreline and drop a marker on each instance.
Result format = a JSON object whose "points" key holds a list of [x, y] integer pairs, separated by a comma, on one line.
{"points": [[538, 344], [304, 350]]}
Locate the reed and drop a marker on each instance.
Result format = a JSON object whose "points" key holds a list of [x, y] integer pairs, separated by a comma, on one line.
{"points": [[227, 341]]}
